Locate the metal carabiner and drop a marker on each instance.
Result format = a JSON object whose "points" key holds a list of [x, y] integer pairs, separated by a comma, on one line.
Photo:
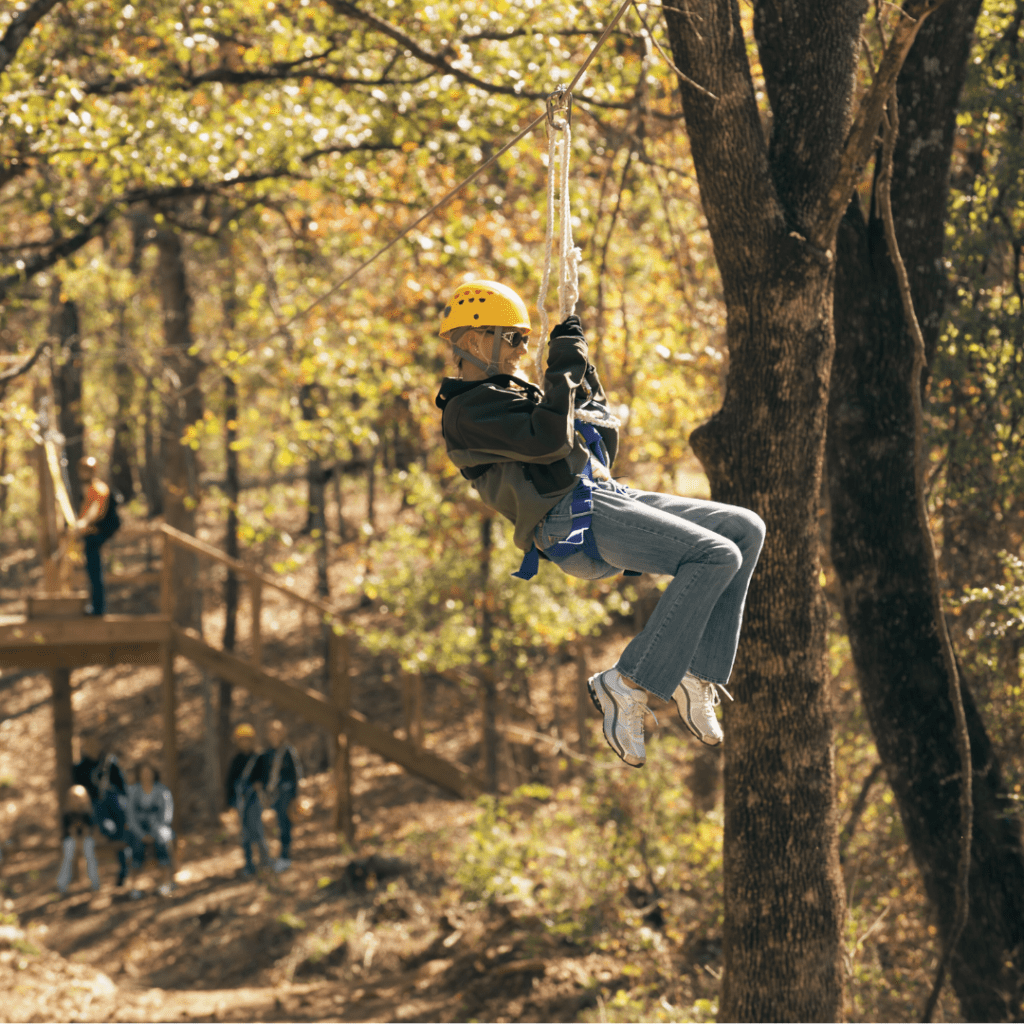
{"points": [[560, 100]]}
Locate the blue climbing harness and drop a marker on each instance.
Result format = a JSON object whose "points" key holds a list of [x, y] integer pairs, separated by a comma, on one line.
{"points": [[582, 536]]}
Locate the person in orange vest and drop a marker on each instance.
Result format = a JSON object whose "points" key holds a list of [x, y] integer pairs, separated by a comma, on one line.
{"points": [[98, 521]]}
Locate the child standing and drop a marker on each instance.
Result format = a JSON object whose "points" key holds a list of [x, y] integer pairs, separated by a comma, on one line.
{"points": [[242, 794], [280, 767], [150, 813], [542, 457], [77, 828]]}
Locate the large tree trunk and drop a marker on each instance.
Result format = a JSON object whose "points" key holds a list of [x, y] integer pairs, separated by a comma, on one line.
{"points": [[764, 450], [183, 406], [880, 554], [67, 387]]}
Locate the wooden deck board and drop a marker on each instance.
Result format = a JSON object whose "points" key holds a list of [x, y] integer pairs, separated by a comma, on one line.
{"points": [[71, 643]]}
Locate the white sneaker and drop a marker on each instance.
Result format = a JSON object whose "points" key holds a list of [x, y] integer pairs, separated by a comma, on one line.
{"points": [[282, 864], [695, 700], [623, 709]]}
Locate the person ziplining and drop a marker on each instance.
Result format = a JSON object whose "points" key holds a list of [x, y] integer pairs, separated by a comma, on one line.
{"points": [[542, 456]]}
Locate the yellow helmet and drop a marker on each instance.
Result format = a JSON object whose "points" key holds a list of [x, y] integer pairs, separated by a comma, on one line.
{"points": [[484, 304]]}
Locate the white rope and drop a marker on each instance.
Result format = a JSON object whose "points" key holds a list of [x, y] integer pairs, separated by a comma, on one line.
{"points": [[545, 279], [569, 255]]}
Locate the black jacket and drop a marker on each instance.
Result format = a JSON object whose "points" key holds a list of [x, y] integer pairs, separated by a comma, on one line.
{"points": [[517, 444], [234, 780]]}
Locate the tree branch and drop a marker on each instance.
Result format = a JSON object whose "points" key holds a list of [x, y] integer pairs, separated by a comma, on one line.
{"points": [[858, 808], [861, 141], [948, 657], [16, 371], [20, 28], [438, 61]]}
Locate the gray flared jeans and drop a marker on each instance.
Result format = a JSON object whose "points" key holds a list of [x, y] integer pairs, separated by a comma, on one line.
{"points": [[710, 550]]}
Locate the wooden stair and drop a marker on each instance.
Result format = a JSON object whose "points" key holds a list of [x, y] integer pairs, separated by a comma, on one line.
{"points": [[317, 708]]}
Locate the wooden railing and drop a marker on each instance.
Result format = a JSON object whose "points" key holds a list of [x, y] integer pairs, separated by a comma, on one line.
{"points": [[331, 710]]}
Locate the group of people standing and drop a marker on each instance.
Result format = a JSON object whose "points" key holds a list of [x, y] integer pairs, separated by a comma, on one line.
{"points": [[139, 814], [257, 779]]}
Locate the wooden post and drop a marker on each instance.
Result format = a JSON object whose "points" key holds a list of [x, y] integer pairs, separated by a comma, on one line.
{"points": [[170, 715], [256, 590], [166, 579], [63, 729], [412, 704], [341, 695]]}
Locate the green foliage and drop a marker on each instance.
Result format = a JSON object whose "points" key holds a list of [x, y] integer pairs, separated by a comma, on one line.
{"points": [[573, 853], [428, 574]]}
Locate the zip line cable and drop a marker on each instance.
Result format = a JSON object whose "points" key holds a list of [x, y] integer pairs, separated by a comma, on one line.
{"points": [[443, 202]]}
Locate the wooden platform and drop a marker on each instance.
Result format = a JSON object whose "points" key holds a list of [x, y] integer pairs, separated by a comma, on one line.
{"points": [[89, 640]]}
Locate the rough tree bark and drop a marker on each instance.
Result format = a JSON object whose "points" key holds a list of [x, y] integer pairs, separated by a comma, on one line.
{"points": [[878, 549], [67, 386], [772, 211]]}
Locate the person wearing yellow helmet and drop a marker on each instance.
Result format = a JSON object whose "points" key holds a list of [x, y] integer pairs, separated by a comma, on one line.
{"points": [[244, 778], [488, 327], [542, 456]]}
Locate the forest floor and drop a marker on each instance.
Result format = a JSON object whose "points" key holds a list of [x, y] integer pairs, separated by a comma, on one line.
{"points": [[441, 909]]}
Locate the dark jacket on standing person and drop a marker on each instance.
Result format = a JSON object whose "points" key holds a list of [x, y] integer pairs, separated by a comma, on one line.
{"points": [[289, 768], [243, 774], [517, 444], [99, 777]]}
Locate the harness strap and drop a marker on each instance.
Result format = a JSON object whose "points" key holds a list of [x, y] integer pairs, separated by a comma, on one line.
{"points": [[582, 507]]}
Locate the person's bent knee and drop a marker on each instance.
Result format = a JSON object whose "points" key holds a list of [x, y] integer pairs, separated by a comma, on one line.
{"points": [[717, 551]]}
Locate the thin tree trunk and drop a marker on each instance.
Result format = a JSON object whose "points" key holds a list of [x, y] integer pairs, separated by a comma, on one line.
{"points": [[67, 387], [63, 730], [182, 407], [3, 470], [152, 453], [881, 555], [231, 491], [122, 451], [490, 677]]}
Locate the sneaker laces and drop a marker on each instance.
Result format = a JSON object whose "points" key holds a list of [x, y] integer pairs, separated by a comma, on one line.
{"points": [[640, 704], [720, 688]]}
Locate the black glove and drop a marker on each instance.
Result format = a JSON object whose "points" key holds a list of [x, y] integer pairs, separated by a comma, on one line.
{"points": [[570, 327]]}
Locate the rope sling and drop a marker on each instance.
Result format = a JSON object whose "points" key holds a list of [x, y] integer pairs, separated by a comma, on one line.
{"points": [[586, 420]]}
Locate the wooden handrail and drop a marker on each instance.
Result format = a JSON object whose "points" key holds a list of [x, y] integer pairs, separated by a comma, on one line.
{"points": [[190, 543]]}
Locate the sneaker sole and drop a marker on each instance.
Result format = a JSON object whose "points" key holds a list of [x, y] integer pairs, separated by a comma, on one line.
{"points": [[600, 710], [685, 719]]}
